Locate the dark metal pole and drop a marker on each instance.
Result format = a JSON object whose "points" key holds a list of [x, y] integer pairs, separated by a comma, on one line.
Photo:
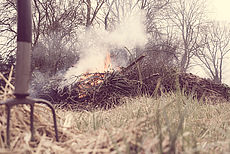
{"points": [[24, 39]]}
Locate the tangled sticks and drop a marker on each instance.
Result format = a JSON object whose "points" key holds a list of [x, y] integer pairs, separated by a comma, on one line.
{"points": [[96, 90], [104, 90]]}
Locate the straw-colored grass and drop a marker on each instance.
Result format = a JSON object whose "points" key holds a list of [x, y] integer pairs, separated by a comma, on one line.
{"points": [[171, 123]]}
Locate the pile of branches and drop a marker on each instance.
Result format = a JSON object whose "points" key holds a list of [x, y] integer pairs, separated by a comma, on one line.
{"points": [[104, 90], [95, 90], [204, 89], [169, 79]]}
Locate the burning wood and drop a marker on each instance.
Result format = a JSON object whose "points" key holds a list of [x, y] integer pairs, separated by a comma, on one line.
{"points": [[98, 88], [87, 82], [104, 90], [107, 64]]}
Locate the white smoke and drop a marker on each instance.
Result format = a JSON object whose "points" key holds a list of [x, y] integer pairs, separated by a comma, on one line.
{"points": [[96, 43]]}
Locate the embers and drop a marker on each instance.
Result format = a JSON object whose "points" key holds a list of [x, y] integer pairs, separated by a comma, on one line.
{"points": [[88, 82]]}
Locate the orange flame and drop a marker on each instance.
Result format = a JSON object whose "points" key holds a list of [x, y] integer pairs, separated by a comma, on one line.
{"points": [[107, 63], [89, 80]]}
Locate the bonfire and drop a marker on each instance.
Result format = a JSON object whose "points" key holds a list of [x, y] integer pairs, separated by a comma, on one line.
{"points": [[104, 89]]}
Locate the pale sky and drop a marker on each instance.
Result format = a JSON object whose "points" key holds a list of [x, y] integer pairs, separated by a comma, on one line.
{"points": [[220, 9]]}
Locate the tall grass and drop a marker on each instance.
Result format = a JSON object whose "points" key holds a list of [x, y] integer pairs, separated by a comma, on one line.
{"points": [[171, 123]]}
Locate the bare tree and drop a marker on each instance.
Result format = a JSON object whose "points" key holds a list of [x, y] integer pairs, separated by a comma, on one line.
{"points": [[216, 39], [55, 24], [53, 53], [54, 21], [187, 17], [119, 10], [48, 16], [52, 16], [8, 32], [92, 9], [107, 13], [154, 16]]}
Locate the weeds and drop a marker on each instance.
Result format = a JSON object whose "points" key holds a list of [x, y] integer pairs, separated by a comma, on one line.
{"points": [[170, 123]]}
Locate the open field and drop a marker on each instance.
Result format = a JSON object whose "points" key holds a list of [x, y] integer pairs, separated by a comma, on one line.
{"points": [[170, 123]]}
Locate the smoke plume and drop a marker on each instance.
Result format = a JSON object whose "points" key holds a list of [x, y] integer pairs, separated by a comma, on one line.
{"points": [[96, 43]]}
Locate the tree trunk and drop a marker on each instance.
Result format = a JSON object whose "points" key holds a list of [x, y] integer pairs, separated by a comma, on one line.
{"points": [[88, 19]]}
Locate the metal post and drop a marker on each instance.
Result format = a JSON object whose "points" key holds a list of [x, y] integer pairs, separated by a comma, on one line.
{"points": [[32, 121], [24, 40], [8, 125]]}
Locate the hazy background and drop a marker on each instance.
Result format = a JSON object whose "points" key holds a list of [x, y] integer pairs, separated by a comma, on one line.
{"points": [[218, 10], [69, 44]]}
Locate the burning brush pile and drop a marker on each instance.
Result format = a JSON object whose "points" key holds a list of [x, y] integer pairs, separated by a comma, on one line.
{"points": [[104, 90]]}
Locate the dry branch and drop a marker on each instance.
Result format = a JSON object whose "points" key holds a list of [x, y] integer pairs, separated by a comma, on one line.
{"points": [[104, 90]]}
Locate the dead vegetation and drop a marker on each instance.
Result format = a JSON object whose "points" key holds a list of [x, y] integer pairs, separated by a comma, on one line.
{"points": [[104, 90], [172, 123]]}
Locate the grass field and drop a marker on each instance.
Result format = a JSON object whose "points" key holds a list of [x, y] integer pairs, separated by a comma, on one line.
{"points": [[168, 124], [171, 123]]}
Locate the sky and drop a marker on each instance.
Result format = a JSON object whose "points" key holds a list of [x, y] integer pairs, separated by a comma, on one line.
{"points": [[219, 9]]}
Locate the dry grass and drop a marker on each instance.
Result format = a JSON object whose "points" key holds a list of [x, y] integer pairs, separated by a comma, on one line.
{"points": [[170, 123]]}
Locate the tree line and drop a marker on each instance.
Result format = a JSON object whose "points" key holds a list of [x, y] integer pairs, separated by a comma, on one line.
{"points": [[179, 32]]}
